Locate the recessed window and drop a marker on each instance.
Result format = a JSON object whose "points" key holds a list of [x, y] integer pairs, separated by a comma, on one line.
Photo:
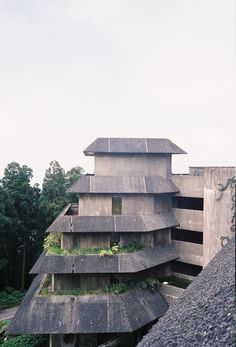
{"points": [[187, 235], [187, 203], [116, 205]]}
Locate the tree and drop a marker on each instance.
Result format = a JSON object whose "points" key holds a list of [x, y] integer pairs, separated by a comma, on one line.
{"points": [[21, 211], [53, 197], [71, 177]]}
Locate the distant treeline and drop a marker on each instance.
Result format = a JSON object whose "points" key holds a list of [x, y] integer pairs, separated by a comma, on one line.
{"points": [[25, 213]]}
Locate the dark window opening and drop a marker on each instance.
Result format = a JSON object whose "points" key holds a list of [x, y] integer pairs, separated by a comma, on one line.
{"points": [[184, 268], [116, 205], [187, 203], [187, 235]]}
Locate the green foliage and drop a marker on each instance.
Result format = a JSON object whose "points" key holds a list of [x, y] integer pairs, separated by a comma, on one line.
{"points": [[54, 248], [25, 213], [25, 341], [52, 240], [151, 284], [4, 324], [12, 298]]}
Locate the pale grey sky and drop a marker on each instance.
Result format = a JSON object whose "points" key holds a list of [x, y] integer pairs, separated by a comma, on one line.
{"points": [[75, 70]]}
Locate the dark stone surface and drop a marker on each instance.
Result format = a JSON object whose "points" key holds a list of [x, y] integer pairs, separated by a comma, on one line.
{"points": [[204, 314], [132, 145], [123, 184], [120, 263]]}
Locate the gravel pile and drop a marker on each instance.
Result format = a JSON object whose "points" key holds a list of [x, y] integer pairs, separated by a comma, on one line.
{"points": [[205, 314]]}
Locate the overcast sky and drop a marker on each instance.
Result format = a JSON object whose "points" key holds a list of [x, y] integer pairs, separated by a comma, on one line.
{"points": [[75, 70]]}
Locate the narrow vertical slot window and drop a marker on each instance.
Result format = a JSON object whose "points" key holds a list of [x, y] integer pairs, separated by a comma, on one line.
{"points": [[116, 205]]}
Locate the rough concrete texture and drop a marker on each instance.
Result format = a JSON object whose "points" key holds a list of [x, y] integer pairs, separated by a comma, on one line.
{"points": [[218, 211], [132, 145], [189, 219], [204, 314], [123, 185], [117, 313], [189, 252], [96, 224], [133, 165], [191, 186], [120, 263]]}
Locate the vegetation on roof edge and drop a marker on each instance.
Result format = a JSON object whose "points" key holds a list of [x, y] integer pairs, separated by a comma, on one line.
{"points": [[52, 244]]}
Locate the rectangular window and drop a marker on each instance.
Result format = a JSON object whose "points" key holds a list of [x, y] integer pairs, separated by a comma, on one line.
{"points": [[187, 235], [116, 205], [187, 203]]}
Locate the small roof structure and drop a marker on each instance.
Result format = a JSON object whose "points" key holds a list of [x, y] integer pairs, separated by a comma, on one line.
{"points": [[123, 185], [204, 314], [132, 146]]}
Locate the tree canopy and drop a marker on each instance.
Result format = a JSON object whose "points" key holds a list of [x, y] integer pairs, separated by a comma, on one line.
{"points": [[25, 212]]}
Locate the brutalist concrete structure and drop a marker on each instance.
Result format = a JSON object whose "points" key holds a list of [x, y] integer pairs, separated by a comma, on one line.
{"points": [[132, 198]]}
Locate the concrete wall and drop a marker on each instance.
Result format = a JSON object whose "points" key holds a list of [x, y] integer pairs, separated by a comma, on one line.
{"points": [[95, 205], [162, 203], [188, 252], [189, 186], [217, 210], [85, 281], [189, 219], [137, 204], [171, 293], [84, 240], [133, 165]]}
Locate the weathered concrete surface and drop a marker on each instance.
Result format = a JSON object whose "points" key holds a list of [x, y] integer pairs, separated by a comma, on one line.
{"points": [[132, 145], [189, 186], [95, 205], [133, 165], [97, 224], [171, 293], [115, 313], [120, 263], [217, 210], [123, 185], [189, 219], [138, 205], [190, 253], [204, 314]]}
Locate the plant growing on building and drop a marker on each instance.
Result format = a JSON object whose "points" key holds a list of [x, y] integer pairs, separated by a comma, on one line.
{"points": [[52, 240]]}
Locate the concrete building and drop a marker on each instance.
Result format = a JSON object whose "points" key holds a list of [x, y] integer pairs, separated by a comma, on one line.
{"points": [[135, 223]]}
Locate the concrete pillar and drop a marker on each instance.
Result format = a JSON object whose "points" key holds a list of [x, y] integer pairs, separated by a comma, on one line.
{"points": [[217, 211]]}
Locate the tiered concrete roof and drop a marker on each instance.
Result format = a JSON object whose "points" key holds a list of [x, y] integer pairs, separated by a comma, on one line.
{"points": [[132, 145]]}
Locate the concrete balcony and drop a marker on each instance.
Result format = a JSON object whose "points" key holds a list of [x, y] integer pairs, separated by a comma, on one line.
{"points": [[191, 253], [190, 186], [171, 293], [189, 219]]}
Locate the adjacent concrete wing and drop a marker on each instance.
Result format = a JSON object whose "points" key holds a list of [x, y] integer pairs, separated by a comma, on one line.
{"points": [[119, 263], [132, 145], [133, 223], [123, 185], [116, 313]]}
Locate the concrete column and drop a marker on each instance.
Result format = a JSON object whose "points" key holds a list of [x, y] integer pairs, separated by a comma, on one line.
{"points": [[217, 211]]}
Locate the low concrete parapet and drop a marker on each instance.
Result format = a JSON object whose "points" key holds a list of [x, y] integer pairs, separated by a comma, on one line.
{"points": [[191, 253]]}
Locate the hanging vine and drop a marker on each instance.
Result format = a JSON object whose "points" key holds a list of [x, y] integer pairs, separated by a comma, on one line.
{"points": [[231, 182]]}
